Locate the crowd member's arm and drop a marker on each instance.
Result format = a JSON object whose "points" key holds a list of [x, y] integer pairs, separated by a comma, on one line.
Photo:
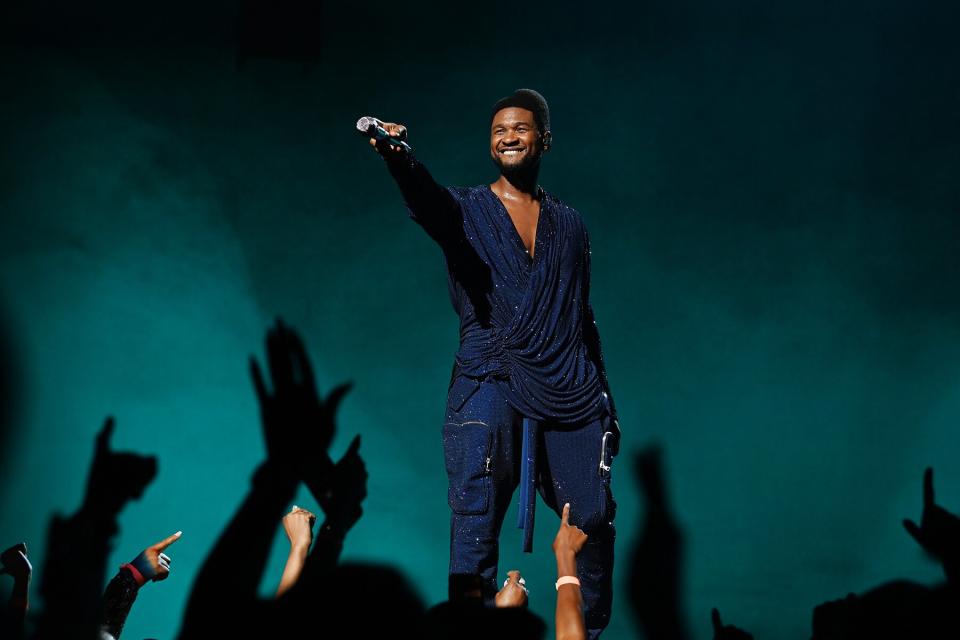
{"points": [[14, 562], [297, 427], [429, 204], [152, 565], [569, 616], [298, 525], [74, 570], [938, 532], [341, 496]]}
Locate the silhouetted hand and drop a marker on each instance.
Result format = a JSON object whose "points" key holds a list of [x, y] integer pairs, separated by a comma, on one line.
{"points": [[15, 562], [514, 592], [726, 632], [152, 563], [116, 478], [342, 499], [939, 530], [297, 425], [298, 525]]}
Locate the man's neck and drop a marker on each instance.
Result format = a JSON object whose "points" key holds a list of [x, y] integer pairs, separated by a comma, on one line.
{"points": [[519, 188]]}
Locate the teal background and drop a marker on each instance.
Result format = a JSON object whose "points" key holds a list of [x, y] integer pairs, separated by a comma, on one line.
{"points": [[772, 198]]}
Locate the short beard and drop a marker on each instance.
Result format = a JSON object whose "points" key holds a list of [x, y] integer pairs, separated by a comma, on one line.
{"points": [[528, 167]]}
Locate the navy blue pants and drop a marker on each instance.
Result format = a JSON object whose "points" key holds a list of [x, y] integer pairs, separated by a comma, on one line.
{"points": [[482, 448]]}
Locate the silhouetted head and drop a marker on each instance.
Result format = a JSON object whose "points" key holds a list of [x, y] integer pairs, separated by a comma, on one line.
{"points": [[472, 620], [519, 132], [365, 600]]}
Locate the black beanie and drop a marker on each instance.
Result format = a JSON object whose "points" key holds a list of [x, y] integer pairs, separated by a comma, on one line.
{"points": [[526, 99]]}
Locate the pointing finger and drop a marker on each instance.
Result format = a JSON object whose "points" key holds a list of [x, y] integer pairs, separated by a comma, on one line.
{"points": [[565, 518], [166, 542], [928, 487]]}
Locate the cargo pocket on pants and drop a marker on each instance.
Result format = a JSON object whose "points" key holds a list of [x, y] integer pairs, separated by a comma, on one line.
{"points": [[467, 447]]}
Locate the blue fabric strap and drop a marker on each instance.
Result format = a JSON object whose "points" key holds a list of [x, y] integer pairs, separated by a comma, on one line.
{"points": [[528, 497]]}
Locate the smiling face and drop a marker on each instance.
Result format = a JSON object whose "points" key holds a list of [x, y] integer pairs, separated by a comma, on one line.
{"points": [[516, 143]]}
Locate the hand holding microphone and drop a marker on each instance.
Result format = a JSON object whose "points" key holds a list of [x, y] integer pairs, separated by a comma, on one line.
{"points": [[388, 138]]}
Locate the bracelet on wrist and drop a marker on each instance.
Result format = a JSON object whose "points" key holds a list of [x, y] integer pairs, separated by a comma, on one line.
{"points": [[567, 580]]}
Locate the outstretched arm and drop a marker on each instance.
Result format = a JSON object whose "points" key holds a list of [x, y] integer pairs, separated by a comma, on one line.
{"points": [[429, 204]]}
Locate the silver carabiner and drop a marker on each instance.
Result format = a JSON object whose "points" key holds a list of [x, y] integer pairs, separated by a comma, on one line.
{"points": [[605, 462]]}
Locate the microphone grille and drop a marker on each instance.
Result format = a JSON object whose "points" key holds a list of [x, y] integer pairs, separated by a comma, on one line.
{"points": [[367, 124]]}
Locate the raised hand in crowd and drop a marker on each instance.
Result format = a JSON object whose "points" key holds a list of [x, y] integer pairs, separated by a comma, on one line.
{"points": [[74, 570], [566, 545], [298, 525], [151, 565], [656, 563], [340, 493], [298, 427], [726, 631], [938, 532], [514, 592], [14, 562], [116, 477]]}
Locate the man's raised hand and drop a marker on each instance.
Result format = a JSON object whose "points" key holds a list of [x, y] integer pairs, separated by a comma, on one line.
{"points": [[384, 147]]}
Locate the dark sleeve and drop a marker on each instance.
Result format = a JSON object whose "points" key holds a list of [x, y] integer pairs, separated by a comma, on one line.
{"points": [[591, 335], [118, 598], [430, 205]]}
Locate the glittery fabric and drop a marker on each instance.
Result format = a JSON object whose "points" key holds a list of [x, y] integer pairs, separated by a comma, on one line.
{"points": [[118, 598], [528, 400], [524, 322], [526, 511], [485, 455]]}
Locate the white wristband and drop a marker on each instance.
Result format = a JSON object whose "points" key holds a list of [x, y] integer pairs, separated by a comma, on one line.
{"points": [[568, 580]]}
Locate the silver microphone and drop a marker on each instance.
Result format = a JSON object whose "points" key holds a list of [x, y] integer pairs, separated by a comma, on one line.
{"points": [[370, 127]]}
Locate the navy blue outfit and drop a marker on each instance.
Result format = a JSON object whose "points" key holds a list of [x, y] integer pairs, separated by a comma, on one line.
{"points": [[528, 402]]}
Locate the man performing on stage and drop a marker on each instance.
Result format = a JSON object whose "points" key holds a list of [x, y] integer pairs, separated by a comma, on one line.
{"points": [[528, 402]]}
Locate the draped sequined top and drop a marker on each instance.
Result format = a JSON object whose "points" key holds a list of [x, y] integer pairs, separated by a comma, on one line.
{"points": [[525, 322]]}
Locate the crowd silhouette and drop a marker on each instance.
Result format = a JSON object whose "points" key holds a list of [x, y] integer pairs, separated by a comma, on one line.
{"points": [[375, 600]]}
